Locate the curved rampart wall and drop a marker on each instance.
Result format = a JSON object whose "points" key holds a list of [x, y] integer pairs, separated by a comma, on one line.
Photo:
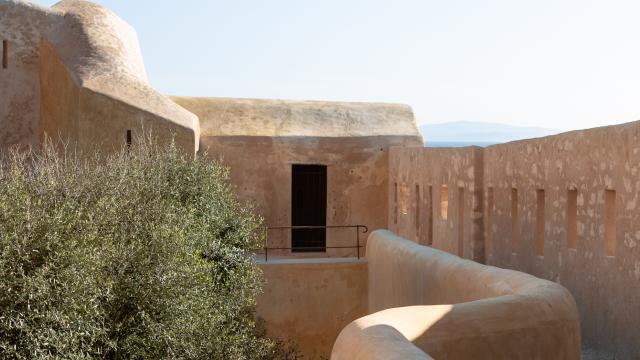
{"points": [[451, 308]]}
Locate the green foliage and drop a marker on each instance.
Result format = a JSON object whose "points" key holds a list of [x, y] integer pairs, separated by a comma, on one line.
{"points": [[139, 255]]}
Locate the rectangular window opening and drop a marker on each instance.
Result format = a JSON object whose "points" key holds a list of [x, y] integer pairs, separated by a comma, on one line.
{"points": [[610, 221], [540, 205], [460, 221], [5, 54], [514, 220], [430, 209], [444, 202], [572, 219]]}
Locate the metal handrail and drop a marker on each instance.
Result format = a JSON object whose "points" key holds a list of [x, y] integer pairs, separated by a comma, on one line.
{"points": [[357, 246]]}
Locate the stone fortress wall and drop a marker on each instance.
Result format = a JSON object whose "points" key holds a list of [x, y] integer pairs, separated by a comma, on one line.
{"points": [[563, 208], [75, 73]]}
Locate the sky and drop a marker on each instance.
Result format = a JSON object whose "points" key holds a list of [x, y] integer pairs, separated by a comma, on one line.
{"points": [[560, 64]]}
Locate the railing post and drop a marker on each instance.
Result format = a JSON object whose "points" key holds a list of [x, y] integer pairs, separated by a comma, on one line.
{"points": [[266, 244]]}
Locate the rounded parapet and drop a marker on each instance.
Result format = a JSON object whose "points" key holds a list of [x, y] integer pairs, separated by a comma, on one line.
{"points": [[452, 308]]}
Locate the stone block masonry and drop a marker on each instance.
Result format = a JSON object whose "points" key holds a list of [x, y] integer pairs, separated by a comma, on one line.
{"points": [[563, 208]]}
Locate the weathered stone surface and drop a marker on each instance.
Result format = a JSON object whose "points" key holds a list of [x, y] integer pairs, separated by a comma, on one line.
{"points": [[21, 25], [593, 163], [76, 73], [278, 118]]}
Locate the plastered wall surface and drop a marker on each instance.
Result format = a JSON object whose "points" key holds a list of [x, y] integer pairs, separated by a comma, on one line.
{"points": [[563, 208], [282, 118], [320, 133], [76, 74], [356, 179], [590, 162], [453, 308], [426, 187], [21, 25], [310, 301]]}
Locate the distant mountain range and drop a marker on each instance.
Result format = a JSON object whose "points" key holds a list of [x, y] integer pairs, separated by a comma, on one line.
{"points": [[466, 133]]}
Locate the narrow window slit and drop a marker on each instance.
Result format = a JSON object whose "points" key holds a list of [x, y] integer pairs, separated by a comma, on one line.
{"points": [[572, 219], [404, 198], [489, 228], [514, 220], [395, 203], [129, 139], [610, 221], [540, 200], [430, 220], [460, 221], [5, 54], [417, 210], [444, 202]]}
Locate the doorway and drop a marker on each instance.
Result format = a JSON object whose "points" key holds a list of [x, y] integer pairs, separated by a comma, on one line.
{"points": [[308, 207]]}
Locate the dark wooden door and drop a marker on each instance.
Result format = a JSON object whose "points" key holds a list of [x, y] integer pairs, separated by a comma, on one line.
{"points": [[308, 207]]}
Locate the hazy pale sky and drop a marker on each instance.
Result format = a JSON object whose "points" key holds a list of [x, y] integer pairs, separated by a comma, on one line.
{"points": [[563, 64]]}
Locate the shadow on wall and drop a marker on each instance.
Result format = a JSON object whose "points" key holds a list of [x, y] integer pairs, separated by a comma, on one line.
{"points": [[488, 313]]}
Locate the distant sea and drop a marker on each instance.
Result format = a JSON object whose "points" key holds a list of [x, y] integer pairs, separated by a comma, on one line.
{"points": [[440, 144]]}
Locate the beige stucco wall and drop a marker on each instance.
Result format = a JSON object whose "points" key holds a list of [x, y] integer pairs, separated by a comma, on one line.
{"points": [[21, 25], [415, 192], [94, 86], [351, 139], [300, 118], [76, 74], [589, 161], [310, 301], [452, 308]]}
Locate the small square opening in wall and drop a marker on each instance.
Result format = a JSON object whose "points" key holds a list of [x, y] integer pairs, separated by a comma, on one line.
{"points": [[610, 221], [444, 202], [5, 54]]}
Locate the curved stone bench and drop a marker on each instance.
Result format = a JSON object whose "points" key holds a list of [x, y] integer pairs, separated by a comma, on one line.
{"points": [[425, 301]]}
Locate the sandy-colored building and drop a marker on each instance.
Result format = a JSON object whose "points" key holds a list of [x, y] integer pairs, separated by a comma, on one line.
{"points": [[561, 212], [75, 72], [323, 161]]}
